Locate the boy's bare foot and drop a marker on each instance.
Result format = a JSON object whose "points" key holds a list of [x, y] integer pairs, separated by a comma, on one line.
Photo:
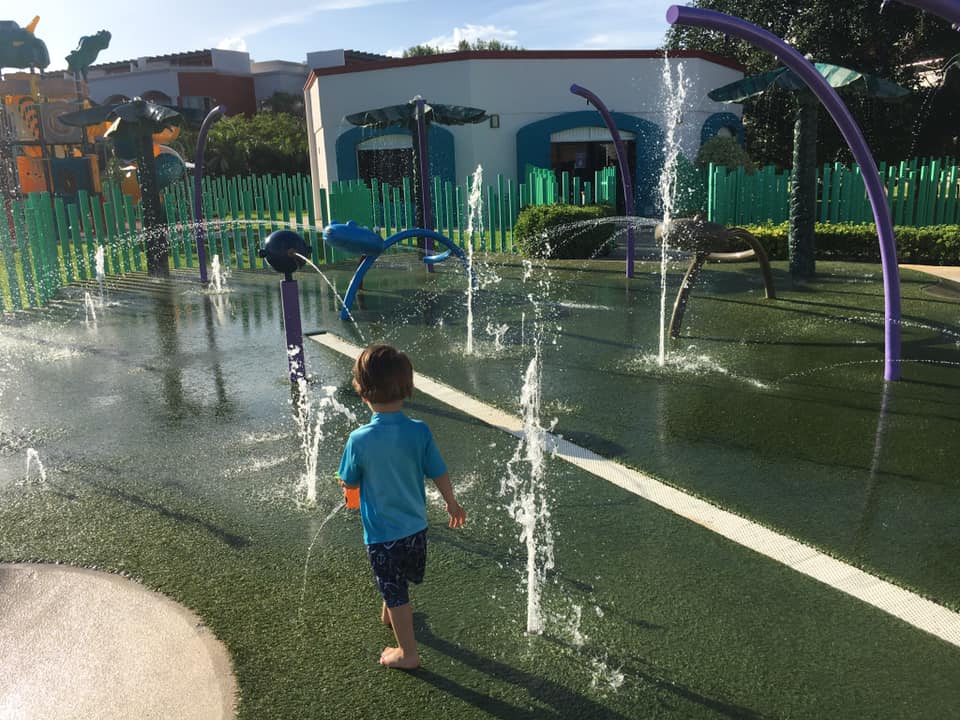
{"points": [[393, 657], [384, 615]]}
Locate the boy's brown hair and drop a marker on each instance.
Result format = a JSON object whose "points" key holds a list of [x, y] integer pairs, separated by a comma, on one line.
{"points": [[383, 374]]}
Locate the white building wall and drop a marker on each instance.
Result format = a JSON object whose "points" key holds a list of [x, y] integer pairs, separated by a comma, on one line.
{"points": [[278, 76], [325, 58], [520, 91], [232, 62]]}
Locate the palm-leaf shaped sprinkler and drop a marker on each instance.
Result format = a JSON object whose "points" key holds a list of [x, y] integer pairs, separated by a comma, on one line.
{"points": [[789, 56], [416, 116], [134, 125], [803, 178], [199, 229]]}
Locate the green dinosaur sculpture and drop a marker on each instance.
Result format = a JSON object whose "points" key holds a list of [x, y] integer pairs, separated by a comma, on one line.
{"points": [[79, 60], [20, 48]]}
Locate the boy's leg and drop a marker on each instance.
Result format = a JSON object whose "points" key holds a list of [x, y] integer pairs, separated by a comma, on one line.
{"points": [[384, 615], [404, 656]]}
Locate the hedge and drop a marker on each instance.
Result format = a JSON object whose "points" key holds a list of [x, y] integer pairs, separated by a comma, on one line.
{"points": [[564, 231], [931, 245]]}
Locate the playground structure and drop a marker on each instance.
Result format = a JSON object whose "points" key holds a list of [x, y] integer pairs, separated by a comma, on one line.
{"points": [[39, 150]]}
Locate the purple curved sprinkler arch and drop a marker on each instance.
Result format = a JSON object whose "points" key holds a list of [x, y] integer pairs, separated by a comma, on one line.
{"points": [[621, 161], [947, 9], [789, 56], [198, 229]]}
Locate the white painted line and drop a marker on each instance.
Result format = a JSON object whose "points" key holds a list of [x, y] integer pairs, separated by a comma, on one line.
{"points": [[909, 607]]}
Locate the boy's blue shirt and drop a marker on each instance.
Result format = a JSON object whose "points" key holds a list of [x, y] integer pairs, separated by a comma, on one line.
{"points": [[389, 458]]}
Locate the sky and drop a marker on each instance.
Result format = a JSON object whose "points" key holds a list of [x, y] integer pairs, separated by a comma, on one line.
{"points": [[292, 29]]}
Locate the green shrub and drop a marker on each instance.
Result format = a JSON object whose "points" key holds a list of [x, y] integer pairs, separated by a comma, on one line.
{"points": [[724, 151], [690, 197], [564, 231], [931, 245]]}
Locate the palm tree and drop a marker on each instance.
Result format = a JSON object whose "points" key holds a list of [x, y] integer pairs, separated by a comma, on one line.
{"points": [[803, 179]]}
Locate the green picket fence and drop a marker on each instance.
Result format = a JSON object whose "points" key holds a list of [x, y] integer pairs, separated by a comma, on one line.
{"points": [[47, 243], [543, 187], [239, 213], [920, 192]]}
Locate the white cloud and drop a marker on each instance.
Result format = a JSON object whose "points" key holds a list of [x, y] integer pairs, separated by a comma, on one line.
{"points": [[233, 43], [239, 39], [471, 33], [648, 38]]}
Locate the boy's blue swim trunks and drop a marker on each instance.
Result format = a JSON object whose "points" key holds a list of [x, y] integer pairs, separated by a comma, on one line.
{"points": [[396, 563]]}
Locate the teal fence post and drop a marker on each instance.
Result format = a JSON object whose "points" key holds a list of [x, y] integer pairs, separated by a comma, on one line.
{"points": [[501, 213], [134, 244], [74, 214], [10, 264], [41, 285], [111, 228], [89, 236], [96, 212], [512, 212], [19, 210], [63, 231]]}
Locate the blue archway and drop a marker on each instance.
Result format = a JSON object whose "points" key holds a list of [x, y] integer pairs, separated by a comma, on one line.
{"points": [[533, 147], [442, 153], [713, 124]]}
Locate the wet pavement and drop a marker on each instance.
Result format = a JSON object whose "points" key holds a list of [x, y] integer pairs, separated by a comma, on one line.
{"points": [[163, 442]]}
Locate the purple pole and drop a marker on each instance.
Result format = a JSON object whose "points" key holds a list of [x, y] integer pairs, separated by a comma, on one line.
{"points": [[621, 161], [947, 9], [424, 175], [198, 229], [805, 70], [290, 299]]}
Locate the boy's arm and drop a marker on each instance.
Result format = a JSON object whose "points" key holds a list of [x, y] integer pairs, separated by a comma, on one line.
{"points": [[458, 516], [349, 467]]}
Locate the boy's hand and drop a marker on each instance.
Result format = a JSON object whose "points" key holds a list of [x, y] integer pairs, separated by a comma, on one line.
{"points": [[458, 516]]}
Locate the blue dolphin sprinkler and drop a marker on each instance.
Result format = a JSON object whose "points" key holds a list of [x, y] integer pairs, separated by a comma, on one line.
{"points": [[357, 240]]}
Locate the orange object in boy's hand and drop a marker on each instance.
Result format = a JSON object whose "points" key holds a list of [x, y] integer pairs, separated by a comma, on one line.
{"points": [[352, 497]]}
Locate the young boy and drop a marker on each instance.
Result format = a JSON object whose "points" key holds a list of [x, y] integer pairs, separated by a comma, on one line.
{"points": [[388, 460]]}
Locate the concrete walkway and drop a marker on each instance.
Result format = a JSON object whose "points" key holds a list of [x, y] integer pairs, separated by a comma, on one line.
{"points": [[79, 644], [944, 272]]}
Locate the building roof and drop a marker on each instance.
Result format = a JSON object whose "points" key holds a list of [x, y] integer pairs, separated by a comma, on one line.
{"points": [[190, 58], [358, 56], [393, 62]]}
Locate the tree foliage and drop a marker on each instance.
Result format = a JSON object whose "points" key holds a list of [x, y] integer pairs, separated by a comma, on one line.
{"points": [[283, 102], [421, 51], [724, 151], [268, 142], [463, 46], [853, 34]]}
